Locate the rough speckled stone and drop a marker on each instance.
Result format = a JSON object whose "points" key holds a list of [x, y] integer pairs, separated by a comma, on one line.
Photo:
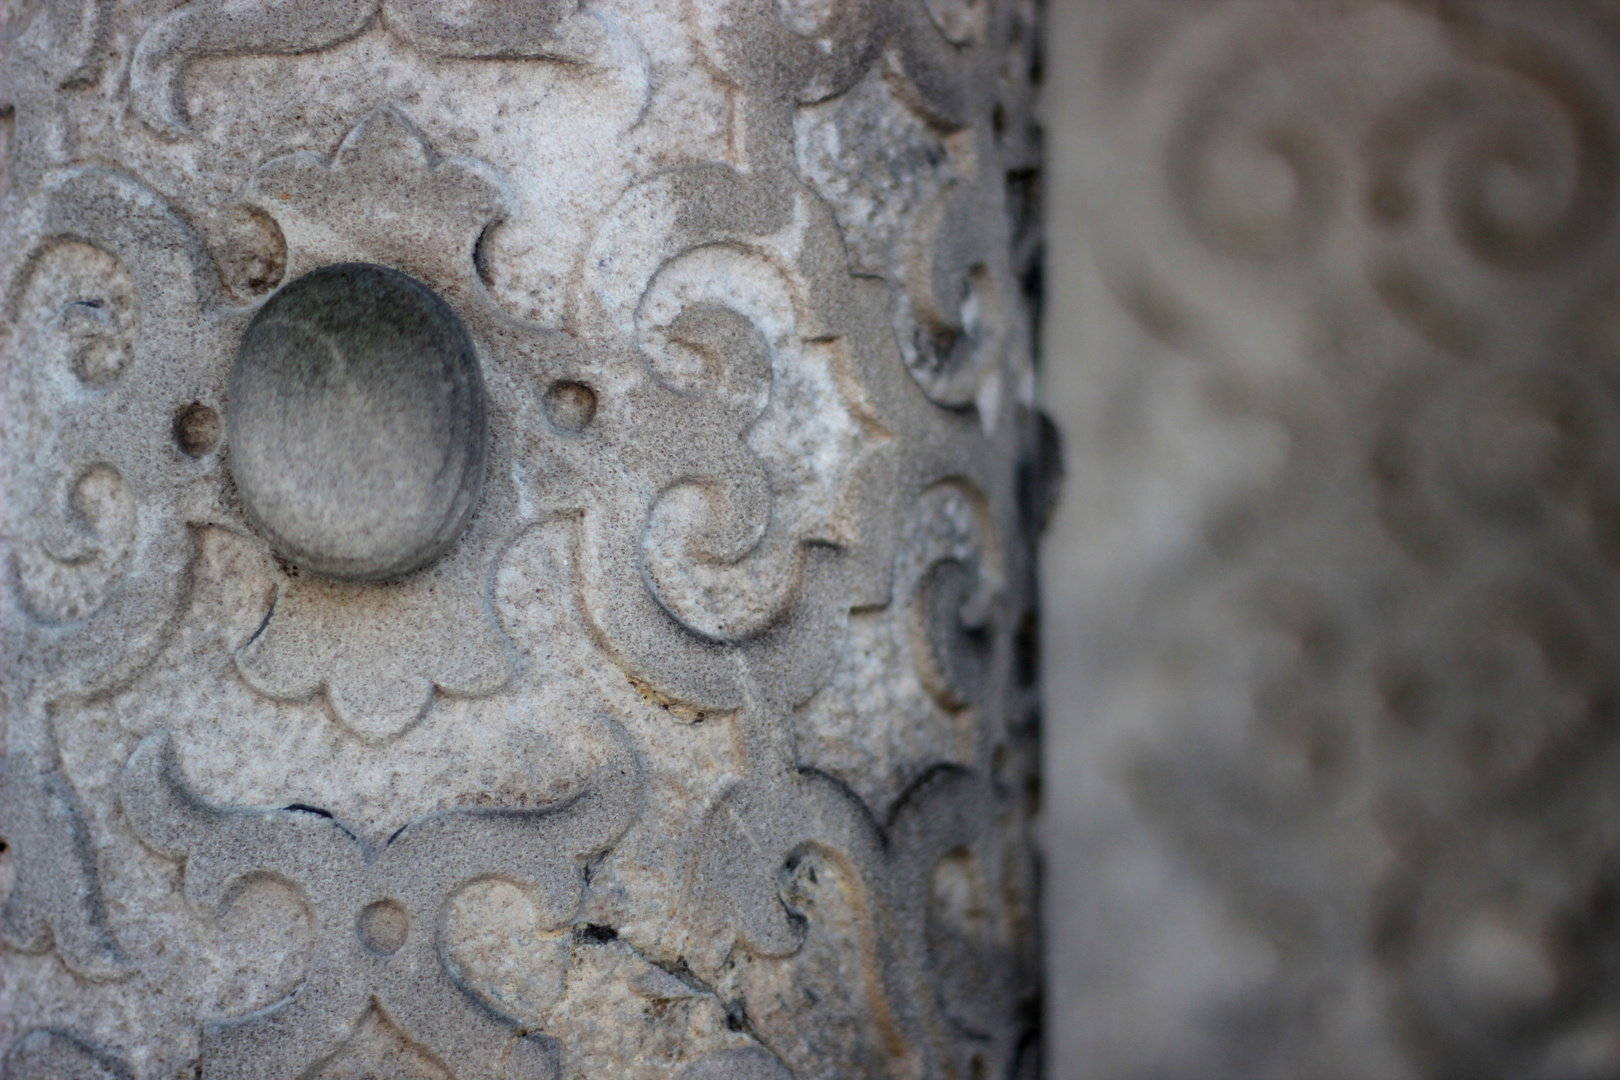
{"points": [[598, 640]]}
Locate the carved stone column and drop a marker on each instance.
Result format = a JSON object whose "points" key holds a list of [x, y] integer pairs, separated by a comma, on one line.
{"points": [[518, 539]]}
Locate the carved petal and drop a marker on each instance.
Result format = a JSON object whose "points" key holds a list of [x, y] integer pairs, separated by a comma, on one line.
{"points": [[379, 651]]}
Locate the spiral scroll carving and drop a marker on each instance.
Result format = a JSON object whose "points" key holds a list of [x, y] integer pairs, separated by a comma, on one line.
{"points": [[466, 467]]}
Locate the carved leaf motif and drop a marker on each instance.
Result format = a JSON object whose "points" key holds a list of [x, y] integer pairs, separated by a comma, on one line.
{"points": [[552, 30], [102, 559], [379, 911], [750, 491], [379, 653]]}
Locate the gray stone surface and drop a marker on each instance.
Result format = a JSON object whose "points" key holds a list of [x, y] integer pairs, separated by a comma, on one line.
{"points": [[1333, 634], [358, 427], [597, 643]]}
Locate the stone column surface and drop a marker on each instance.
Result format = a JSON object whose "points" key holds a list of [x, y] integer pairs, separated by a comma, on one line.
{"points": [[518, 539]]}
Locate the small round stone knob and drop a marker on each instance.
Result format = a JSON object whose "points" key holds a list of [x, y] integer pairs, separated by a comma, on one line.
{"points": [[357, 423], [383, 927]]}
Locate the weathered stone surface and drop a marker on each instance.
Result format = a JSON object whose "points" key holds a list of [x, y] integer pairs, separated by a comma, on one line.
{"points": [[517, 539]]}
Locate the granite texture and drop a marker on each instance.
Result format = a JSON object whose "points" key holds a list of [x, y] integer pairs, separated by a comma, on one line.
{"points": [[517, 539]]}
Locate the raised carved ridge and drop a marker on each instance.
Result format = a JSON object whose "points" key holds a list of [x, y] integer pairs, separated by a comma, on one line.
{"points": [[379, 910], [545, 787]]}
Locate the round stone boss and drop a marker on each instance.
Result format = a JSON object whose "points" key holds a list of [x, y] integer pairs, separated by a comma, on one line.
{"points": [[357, 423]]}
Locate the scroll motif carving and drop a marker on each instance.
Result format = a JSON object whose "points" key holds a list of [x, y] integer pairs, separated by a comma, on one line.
{"points": [[471, 467], [102, 556], [380, 911], [754, 510], [101, 563], [955, 606], [901, 877], [665, 219], [552, 30]]}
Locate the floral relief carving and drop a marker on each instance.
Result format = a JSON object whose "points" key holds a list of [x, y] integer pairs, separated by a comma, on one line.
{"points": [[550, 30], [380, 911], [440, 632], [711, 562], [726, 419], [100, 564]]}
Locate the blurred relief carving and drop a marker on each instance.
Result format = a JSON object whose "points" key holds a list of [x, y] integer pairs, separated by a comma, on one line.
{"points": [[1352, 464]]}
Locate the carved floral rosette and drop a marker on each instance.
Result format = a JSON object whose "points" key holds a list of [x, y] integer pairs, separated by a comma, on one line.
{"points": [[701, 743]]}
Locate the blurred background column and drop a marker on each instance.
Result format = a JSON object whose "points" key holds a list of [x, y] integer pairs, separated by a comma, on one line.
{"points": [[1334, 335]]}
